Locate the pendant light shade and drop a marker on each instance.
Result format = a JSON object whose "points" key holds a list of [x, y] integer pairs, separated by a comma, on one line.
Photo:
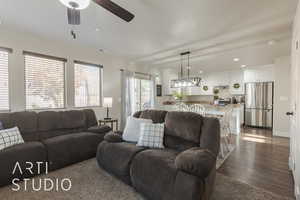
{"points": [[185, 81]]}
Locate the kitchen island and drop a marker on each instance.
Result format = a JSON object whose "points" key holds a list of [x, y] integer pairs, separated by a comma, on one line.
{"points": [[233, 112]]}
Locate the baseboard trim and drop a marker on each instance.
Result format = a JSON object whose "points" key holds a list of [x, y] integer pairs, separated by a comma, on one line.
{"points": [[297, 192], [281, 134]]}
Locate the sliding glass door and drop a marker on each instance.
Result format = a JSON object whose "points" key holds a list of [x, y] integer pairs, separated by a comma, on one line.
{"points": [[143, 94]]}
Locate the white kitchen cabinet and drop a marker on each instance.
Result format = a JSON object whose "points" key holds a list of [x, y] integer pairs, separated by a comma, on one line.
{"points": [[192, 91], [218, 79], [167, 76], [199, 90]]}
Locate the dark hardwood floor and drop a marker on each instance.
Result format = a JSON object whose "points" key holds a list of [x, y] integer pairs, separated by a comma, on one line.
{"points": [[261, 160]]}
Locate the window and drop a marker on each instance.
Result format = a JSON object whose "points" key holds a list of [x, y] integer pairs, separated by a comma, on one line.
{"points": [[143, 93], [44, 81], [87, 84], [4, 91]]}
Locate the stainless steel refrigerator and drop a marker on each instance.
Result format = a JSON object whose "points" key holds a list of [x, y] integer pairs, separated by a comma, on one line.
{"points": [[259, 104]]}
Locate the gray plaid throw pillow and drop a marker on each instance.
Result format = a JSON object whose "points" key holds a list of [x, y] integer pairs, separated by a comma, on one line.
{"points": [[10, 137], [151, 135]]}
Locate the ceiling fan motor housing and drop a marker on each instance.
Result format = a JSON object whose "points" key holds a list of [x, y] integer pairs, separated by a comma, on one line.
{"points": [[73, 16], [76, 4]]}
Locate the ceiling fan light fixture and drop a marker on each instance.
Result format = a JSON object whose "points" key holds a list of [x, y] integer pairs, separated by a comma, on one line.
{"points": [[76, 4]]}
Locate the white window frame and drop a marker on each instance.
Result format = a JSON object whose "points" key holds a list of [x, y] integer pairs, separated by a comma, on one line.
{"points": [[9, 51], [100, 82], [64, 81]]}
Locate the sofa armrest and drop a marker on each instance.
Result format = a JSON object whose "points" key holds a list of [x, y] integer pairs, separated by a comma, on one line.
{"points": [[113, 137], [99, 129], [196, 161]]}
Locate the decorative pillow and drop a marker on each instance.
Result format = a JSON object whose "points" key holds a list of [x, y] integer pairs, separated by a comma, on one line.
{"points": [[152, 135], [10, 137], [132, 128], [1, 126]]}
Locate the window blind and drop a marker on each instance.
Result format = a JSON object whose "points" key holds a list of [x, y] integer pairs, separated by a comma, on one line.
{"points": [[44, 81], [4, 88], [87, 84]]}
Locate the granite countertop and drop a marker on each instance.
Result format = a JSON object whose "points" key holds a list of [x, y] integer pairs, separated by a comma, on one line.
{"points": [[212, 109]]}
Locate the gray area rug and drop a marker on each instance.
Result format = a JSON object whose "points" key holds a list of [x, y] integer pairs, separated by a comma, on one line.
{"points": [[89, 182]]}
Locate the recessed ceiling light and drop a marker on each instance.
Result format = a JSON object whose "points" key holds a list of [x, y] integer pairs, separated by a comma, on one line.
{"points": [[271, 42], [243, 66], [200, 72], [236, 59], [97, 29]]}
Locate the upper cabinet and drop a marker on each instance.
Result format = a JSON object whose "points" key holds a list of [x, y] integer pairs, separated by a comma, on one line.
{"points": [[233, 79], [167, 76]]}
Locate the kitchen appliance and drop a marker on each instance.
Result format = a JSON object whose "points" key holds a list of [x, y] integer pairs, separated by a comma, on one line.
{"points": [[223, 102], [259, 104]]}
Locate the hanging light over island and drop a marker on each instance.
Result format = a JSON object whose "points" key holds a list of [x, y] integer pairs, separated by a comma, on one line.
{"points": [[185, 81]]}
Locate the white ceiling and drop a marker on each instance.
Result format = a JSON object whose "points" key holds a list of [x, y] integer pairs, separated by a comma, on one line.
{"points": [[164, 28]]}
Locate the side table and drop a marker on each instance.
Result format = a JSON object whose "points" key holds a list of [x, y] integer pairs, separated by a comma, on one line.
{"points": [[111, 122]]}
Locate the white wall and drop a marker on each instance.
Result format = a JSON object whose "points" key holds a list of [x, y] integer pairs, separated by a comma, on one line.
{"points": [[259, 74], [22, 41]]}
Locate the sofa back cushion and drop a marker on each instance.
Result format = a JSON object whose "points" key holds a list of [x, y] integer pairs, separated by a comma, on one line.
{"points": [[49, 120], [157, 116], [182, 130], [73, 119], [5, 120], [27, 122], [91, 119]]}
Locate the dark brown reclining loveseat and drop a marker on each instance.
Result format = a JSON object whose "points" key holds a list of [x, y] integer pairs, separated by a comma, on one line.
{"points": [[184, 169]]}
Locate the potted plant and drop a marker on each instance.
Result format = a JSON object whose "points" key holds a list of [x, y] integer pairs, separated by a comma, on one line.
{"points": [[178, 96], [216, 92]]}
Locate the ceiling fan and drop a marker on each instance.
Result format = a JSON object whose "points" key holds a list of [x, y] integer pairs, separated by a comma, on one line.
{"points": [[74, 7]]}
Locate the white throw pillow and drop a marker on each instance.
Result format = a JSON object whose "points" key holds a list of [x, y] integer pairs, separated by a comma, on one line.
{"points": [[132, 129], [10, 137], [152, 135]]}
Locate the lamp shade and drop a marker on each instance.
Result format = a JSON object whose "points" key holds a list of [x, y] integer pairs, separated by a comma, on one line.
{"points": [[107, 102]]}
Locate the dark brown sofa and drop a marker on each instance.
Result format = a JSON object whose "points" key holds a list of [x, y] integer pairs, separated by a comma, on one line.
{"points": [[59, 138], [185, 169]]}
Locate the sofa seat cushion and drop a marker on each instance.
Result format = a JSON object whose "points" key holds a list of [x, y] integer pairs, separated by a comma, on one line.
{"points": [[54, 133], [28, 152], [72, 148], [153, 172], [116, 158]]}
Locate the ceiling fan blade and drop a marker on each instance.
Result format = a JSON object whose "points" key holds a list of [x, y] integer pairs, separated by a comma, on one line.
{"points": [[115, 9], [73, 16]]}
